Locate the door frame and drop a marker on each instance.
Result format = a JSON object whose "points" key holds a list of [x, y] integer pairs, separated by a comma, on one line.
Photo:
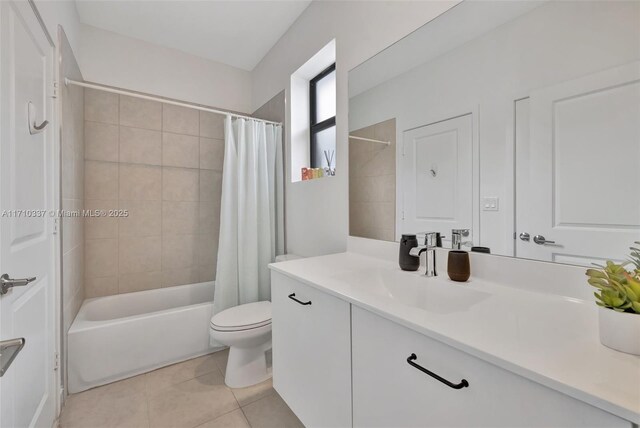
{"points": [[432, 119], [56, 195]]}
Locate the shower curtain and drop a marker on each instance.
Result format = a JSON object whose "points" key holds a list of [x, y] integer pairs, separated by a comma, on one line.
{"points": [[251, 212]]}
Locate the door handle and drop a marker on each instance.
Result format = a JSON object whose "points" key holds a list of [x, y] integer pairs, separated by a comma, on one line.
{"points": [[9, 349], [33, 128], [524, 236], [540, 240], [411, 360], [6, 283], [292, 296]]}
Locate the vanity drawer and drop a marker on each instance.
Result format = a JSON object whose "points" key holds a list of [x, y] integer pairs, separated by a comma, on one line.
{"points": [[311, 352], [389, 392]]}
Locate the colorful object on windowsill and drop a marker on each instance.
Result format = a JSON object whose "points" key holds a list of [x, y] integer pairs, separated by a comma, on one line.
{"points": [[312, 173]]}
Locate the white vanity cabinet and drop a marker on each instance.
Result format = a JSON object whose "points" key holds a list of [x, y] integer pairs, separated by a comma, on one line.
{"points": [[311, 352], [389, 392]]}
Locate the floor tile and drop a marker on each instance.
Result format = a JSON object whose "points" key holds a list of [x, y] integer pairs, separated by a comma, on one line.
{"points": [[204, 365], [106, 411], [233, 419], [271, 412], [132, 385], [180, 372], [191, 403], [184, 395], [253, 393], [221, 359]]}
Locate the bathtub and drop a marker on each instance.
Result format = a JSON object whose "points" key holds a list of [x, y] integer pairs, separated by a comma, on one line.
{"points": [[115, 337]]}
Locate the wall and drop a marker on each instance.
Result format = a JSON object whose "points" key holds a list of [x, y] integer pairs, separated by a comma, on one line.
{"points": [[72, 191], [63, 13], [111, 59], [273, 110], [489, 73], [372, 182], [163, 164], [317, 210]]}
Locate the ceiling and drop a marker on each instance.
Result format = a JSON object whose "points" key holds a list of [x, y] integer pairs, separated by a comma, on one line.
{"points": [[238, 33]]}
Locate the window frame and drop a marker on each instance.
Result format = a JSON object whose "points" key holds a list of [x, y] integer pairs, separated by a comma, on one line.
{"points": [[314, 127]]}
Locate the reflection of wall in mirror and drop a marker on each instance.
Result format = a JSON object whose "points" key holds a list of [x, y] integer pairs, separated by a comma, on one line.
{"points": [[372, 182], [491, 72]]}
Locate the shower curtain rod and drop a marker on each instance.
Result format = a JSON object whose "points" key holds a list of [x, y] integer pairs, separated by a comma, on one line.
{"points": [[371, 140], [111, 89]]}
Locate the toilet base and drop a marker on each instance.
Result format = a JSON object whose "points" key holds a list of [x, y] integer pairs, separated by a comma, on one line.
{"points": [[247, 366]]}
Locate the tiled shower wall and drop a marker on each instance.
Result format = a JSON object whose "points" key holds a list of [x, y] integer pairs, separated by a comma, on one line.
{"points": [[163, 164], [372, 182]]}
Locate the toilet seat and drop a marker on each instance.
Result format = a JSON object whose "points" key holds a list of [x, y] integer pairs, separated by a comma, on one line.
{"points": [[243, 317]]}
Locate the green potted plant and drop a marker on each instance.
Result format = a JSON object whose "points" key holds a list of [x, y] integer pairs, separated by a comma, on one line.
{"points": [[618, 298]]}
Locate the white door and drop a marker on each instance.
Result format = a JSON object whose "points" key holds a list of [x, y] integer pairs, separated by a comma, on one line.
{"points": [[437, 177], [581, 159], [27, 389]]}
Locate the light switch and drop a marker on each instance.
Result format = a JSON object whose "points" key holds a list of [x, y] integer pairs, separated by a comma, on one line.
{"points": [[490, 204]]}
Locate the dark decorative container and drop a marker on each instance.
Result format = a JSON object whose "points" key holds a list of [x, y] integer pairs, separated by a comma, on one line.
{"points": [[458, 266], [407, 261]]}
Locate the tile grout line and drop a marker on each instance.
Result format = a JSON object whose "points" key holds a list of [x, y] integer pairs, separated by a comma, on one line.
{"points": [[245, 416], [217, 417]]}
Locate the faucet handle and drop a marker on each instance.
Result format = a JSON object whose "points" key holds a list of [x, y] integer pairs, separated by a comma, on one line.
{"points": [[456, 238], [430, 238], [461, 232]]}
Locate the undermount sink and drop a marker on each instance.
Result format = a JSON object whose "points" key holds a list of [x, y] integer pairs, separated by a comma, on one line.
{"points": [[433, 294]]}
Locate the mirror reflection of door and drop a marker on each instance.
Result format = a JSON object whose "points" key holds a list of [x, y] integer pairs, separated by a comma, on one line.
{"points": [[436, 170], [571, 140], [577, 157]]}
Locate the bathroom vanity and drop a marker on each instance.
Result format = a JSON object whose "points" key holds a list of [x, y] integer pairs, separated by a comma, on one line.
{"points": [[353, 336], [482, 128]]}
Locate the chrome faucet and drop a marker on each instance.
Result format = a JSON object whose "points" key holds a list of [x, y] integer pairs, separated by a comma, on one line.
{"points": [[430, 245], [457, 236]]}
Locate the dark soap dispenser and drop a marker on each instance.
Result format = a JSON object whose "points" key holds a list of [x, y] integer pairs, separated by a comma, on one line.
{"points": [[406, 260]]}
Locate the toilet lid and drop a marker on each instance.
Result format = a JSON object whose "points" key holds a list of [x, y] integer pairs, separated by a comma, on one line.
{"points": [[243, 317]]}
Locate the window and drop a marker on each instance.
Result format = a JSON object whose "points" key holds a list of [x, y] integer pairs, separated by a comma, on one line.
{"points": [[322, 99]]}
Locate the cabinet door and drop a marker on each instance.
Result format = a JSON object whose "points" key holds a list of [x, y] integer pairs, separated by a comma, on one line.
{"points": [[388, 392], [311, 353]]}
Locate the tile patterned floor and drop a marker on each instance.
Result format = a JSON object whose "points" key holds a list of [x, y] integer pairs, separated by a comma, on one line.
{"points": [[191, 394]]}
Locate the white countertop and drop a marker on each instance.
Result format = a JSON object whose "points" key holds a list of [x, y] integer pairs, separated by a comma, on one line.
{"points": [[550, 339]]}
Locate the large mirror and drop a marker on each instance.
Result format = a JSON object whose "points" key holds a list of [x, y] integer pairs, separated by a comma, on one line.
{"points": [[516, 122]]}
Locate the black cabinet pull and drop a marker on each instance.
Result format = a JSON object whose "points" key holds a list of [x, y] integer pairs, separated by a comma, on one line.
{"points": [[292, 296], [463, 383]]}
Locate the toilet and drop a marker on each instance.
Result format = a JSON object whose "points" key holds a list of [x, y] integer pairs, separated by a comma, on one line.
{"points": [[246, 329]]}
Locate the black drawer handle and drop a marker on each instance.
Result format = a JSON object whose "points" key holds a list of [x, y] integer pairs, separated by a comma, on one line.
{"points": [[292, 296], [463, 383]]}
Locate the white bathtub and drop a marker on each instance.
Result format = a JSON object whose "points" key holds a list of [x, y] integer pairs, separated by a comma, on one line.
{"points": [[119, 336]]}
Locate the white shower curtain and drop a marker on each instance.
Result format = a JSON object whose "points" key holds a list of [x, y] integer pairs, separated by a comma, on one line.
{"points": [[251, 213]]}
